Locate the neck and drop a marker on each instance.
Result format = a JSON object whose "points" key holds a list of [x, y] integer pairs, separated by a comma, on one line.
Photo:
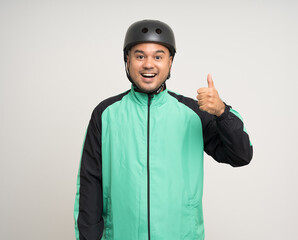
{"points": [[161, 88]]}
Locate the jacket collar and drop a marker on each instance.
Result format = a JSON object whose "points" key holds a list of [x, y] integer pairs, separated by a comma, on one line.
{"points": [[142, 98]]}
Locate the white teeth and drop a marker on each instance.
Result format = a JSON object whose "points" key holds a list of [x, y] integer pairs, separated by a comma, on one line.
{"points": [[148, 74]]}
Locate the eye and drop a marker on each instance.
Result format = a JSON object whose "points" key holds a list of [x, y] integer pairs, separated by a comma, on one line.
{"points": [[158, 57], [140, 57]]}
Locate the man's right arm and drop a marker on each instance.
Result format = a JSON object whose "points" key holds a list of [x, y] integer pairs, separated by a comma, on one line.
{"points": [[89, 223]]}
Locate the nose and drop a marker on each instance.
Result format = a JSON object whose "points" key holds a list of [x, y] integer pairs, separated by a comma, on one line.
{"points": [[148, 63]]}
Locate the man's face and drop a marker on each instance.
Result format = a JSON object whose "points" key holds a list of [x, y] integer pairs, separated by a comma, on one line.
{"points": [[149, 65]]}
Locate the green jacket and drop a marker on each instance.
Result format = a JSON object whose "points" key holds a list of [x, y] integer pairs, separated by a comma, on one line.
{"points": [[141, 172]]}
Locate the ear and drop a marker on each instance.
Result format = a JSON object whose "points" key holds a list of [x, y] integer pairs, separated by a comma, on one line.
{"points": [[127, 61], [170, 61]]}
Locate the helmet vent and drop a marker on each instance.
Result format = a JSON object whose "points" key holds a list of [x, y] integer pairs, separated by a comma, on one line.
{"points": [[144, 30], [158, 30]]}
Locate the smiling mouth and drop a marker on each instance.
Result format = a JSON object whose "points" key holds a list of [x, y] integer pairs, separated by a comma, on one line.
{"points": [[148, 75]]}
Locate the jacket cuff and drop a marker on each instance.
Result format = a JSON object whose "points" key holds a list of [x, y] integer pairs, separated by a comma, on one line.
{"points": [[225, 113]]}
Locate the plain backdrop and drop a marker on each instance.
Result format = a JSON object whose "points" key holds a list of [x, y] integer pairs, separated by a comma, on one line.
{"points": [[59, 59]]}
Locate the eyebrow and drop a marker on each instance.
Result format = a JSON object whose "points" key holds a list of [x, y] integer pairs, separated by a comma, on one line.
{"points": [[140, 51]]}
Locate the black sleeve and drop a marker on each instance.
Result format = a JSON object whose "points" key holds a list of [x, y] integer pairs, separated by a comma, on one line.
{"points": [[90, 221], [225, 138]]}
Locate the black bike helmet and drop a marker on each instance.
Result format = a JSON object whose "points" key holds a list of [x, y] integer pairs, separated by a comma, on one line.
{"points": [[149, 31]]}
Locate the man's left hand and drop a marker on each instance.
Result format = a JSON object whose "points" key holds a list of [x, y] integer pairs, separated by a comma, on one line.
{"points": [[208, 99]]}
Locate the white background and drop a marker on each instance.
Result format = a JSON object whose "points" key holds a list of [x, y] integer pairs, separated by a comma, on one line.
{"points": [[59, 59]]}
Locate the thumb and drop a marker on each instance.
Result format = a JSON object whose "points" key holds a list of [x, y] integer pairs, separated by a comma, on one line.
{"points": [[210, 81]]}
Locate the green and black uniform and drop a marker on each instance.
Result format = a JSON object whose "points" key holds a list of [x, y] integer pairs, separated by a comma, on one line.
{"points": [[141, 172]]}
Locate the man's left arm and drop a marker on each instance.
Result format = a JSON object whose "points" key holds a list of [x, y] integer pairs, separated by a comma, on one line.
{"points": [[225, 137]]}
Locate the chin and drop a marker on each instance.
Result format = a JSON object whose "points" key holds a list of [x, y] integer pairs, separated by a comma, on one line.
{"points": [[147, 90]]}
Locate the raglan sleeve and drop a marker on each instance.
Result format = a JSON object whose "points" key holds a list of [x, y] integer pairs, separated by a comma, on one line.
{"points": [[89, 223], [226, 139]]}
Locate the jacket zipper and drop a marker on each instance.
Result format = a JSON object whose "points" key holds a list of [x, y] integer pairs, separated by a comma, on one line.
{"points": [[148, 172]]}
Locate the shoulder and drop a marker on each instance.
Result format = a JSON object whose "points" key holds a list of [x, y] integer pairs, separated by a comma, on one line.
{"points": [[187, 101], [193, 105], [99, 109]]}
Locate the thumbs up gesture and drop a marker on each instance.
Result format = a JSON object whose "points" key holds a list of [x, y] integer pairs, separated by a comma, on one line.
{"points": [[208, 99]]}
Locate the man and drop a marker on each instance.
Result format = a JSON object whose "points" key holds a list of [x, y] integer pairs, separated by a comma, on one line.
{"points": [[141, 172]]}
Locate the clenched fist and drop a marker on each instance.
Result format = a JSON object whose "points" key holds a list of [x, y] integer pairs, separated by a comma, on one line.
{"points": [[208, 99]]}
